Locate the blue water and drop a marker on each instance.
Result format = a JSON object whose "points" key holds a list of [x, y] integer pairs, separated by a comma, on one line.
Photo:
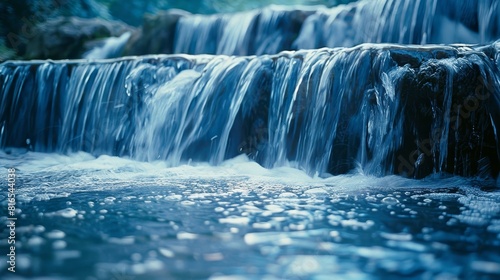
{"points": [[82, 217], [220, 166]]}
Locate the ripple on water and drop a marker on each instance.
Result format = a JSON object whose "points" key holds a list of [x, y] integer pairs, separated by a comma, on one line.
{"points": [[390, 200], [288, 195], [321, 192], [109, 199], [188, 203], [187, 236], [486, 267], [310, 230], [396, 236]]}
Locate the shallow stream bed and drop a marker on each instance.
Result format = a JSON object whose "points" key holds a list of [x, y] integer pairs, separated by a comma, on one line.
{"points": [[81, 217]]}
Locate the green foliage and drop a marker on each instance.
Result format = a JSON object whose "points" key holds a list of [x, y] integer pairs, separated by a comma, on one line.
{"points": [[240, 5], [5, 52], [132, 11]]}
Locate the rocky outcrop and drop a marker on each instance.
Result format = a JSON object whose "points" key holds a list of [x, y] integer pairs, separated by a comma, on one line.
{"points": [[20, 17], [69, 38]]}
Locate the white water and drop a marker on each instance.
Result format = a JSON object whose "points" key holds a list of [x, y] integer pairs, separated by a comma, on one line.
{"points": [[106, 217], [115, 218], [278, 28]]}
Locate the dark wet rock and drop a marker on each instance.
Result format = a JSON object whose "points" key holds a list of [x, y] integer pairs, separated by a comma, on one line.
{"points": [[20, 17], [412, 111], [64, 38], [465, 99], [268, 31]]}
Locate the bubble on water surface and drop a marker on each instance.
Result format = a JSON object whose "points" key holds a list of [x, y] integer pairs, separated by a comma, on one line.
{"points": [[55, 234], [390, 200], [234, 220], [127, 240], [65, 213]]}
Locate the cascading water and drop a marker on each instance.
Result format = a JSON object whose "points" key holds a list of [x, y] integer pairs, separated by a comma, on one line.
{"points": [[276, 28], [323, 111]]}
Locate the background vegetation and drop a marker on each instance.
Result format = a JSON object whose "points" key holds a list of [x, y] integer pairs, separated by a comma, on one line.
{"points": [[18, 18]]}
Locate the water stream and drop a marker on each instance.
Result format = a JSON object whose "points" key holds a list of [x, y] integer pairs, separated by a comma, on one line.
{"points": [[281, 143]]}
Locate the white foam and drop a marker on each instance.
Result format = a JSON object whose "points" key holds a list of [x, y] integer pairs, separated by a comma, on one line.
{"points": [[60, 175]]}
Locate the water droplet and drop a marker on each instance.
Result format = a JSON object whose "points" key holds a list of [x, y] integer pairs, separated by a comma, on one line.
{"points": [[390, 200], [55, 234]]}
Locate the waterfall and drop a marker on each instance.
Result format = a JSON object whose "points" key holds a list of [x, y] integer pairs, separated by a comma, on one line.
{"points": [[264, 31], [383, 109]]}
